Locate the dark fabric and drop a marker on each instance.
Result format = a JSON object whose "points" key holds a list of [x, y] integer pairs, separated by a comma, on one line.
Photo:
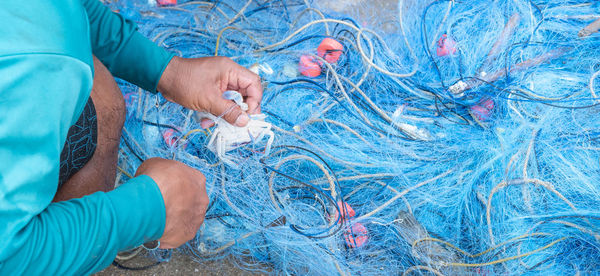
{"points": [[80, 144]]}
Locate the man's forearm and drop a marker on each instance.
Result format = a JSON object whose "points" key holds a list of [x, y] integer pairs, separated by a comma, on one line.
{"points": [[126, 53], [83, 236]]}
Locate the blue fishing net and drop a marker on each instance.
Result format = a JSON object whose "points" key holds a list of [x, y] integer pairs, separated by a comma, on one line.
{"points": [[449, 137]]}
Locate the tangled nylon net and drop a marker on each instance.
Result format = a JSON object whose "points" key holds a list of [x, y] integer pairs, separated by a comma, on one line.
{"points": [[443, 137]]}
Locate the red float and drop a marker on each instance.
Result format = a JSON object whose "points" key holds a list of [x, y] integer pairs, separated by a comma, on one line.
{"points": [[356, 236], [309, 66], [330, 50], [446, 46]]}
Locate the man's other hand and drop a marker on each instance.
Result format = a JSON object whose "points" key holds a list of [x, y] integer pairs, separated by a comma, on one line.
{"points": [[184, 193], [199, 84]]}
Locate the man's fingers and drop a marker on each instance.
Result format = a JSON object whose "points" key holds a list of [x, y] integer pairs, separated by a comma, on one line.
{"points": [[206, 123], [254, 97], [166, 246], [248, 84], [231, 113]]}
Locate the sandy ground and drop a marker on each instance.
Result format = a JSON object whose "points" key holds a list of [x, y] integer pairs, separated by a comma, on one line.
{"points": [[179, 265], [378, 12]]}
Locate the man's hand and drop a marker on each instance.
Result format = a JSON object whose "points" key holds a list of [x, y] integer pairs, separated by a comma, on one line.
{"points": [[184, 195], [199, 84]]}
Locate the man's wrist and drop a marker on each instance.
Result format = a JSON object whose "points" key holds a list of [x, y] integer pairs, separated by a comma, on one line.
{"points": [[169, 76], [148, 221]]}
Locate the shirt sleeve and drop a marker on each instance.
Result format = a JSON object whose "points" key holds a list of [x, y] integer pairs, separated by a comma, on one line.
{"points": [[125, 52], [83, 236], [37, 99]]}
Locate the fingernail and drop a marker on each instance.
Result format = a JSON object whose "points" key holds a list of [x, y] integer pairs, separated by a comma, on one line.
{"points": [[242, 120], [206, 123]]}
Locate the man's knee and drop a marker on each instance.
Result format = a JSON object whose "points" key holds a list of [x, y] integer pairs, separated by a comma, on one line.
{"points": [[108, 100], [98, 173]]}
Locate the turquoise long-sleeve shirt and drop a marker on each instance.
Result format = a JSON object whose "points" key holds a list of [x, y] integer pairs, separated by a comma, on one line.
{"points": [[46, 75]]}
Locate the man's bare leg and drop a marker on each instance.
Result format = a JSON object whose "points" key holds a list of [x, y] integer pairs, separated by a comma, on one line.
{"points": [[99, 173]]}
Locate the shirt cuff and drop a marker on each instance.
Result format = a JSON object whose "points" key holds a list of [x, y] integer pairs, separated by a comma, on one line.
{"points": [[140, 208], [143, 62]]}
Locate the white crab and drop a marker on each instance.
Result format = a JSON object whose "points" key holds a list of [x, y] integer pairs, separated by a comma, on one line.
{"points": [[226, 137]]}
